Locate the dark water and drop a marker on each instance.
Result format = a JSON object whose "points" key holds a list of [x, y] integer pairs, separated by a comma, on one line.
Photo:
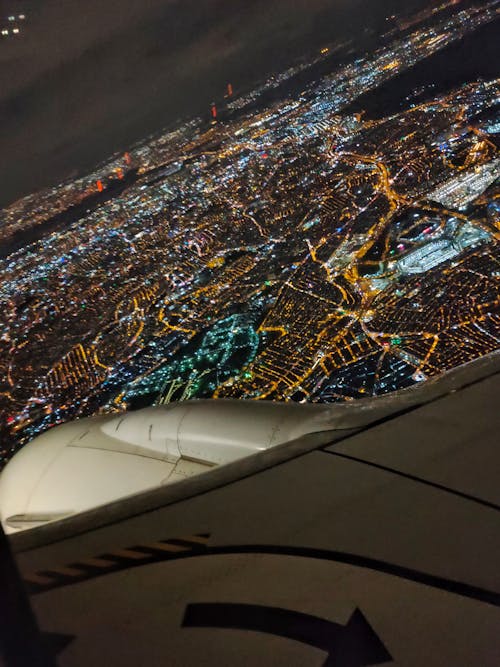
{"points": [[476, 56], [65, 218]]}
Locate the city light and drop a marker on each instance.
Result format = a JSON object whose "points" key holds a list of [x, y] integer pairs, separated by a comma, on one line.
{"points": [[300, 249]]}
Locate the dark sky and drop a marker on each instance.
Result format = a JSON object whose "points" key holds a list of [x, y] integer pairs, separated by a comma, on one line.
{"points": [[88, 78]]}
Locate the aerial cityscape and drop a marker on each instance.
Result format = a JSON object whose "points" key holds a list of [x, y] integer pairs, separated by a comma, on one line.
{"points": [[293, 245]]}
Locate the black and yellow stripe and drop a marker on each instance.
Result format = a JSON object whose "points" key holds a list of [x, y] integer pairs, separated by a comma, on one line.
{"points": [[114, 561]]}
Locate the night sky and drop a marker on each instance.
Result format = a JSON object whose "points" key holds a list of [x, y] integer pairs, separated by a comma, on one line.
{"points": [[88, 78]]}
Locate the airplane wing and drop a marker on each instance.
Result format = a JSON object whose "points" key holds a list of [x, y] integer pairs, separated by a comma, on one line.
{"points": [[376, 544]]}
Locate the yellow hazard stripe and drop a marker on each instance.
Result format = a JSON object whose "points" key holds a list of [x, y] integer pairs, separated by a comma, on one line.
{"points": [[39, 579], [116, 560]]}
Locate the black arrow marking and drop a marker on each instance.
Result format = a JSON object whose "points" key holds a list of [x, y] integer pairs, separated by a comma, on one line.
{"points": [[353, 645]]}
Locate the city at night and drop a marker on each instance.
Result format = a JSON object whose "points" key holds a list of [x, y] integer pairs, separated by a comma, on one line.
{"points": [[250, 311], [295, 244]]}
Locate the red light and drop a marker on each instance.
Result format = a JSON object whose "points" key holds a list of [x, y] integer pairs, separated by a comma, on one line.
{"points": [[214, 111], [100, 186], [10, 420], [229, 89]]}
